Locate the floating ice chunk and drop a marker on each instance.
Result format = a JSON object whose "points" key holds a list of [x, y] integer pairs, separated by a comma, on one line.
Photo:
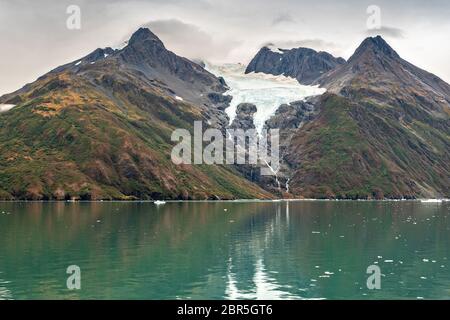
{"points": [[425, 260], [388, 261]]}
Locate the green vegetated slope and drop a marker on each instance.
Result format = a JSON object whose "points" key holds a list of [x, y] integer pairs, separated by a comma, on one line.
{"points": [[363, 151]]}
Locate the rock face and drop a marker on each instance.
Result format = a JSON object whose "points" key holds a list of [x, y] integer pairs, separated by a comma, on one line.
{"points": [[306, 65], [382, 131], [100, 128]]}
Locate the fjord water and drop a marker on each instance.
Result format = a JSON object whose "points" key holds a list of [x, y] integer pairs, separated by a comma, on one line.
{"points": [[225, 250]]}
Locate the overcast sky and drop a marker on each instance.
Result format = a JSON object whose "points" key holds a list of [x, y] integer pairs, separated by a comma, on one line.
{"points": [[35, 39]]}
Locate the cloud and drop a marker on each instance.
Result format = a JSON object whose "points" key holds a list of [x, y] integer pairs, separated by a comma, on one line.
{"points": [[282, 18], [387, 32], [190, 41]]}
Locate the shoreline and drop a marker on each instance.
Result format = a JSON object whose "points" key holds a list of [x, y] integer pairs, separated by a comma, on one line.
{"points": [[424, 200]]}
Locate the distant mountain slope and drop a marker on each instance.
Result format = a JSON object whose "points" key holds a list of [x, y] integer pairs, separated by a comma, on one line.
{"points": [[100, 128], [382, 130], [306, 65]]}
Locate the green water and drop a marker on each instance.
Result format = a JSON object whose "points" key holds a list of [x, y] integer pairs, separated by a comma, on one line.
{"points": [[246, 250]]}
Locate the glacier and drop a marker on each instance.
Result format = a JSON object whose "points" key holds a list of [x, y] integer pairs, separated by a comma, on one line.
{"points": [[6, 107], [265, 91]]}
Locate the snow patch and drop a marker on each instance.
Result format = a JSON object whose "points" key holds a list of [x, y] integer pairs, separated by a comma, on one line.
{"points": [[78, 63], [267, 92], [6, 107], [179, 98]]}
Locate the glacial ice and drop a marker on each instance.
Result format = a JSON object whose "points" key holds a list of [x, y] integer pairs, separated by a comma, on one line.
{"points": [[265, 91]]}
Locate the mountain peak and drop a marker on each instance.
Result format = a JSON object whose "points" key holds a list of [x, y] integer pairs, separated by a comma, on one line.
{"points": [[375, 45], [142, 35]]}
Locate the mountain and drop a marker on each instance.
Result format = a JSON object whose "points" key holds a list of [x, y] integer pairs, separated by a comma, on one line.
{"points": [[381, 130], [100, 128], [304, 64]]}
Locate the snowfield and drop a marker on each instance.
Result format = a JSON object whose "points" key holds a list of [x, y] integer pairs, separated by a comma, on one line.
{"points": [[265, 91], [6, 107]]}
